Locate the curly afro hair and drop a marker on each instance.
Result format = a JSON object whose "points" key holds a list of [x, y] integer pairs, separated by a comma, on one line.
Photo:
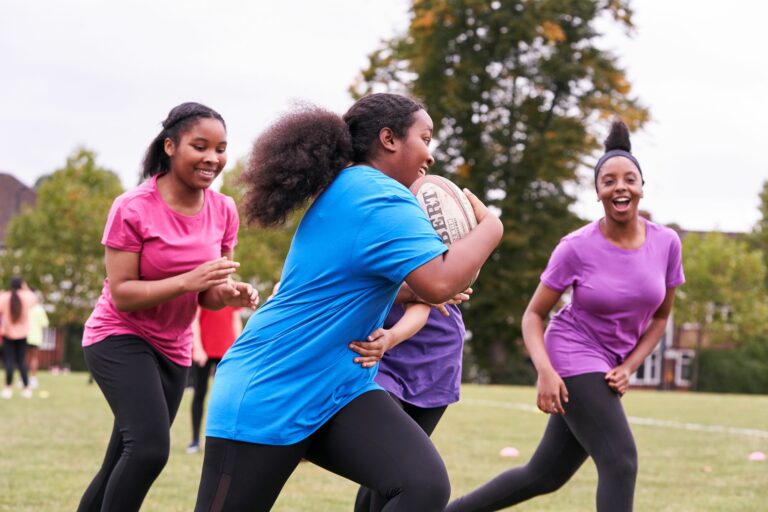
{"points": [[297, 157]]}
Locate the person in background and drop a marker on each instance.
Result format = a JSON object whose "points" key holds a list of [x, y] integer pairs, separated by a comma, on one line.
{"points": [[38, 321], [214, 332], [15, 305]]}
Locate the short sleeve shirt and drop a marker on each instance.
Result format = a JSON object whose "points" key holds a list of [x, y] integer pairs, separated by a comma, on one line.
{"points": [[291, 369], [615, 292], [168, 243]]}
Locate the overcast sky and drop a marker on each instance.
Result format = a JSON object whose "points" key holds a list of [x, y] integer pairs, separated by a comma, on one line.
{"points": [[104, 74]]}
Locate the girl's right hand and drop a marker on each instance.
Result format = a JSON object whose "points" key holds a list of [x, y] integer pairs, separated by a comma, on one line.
{"points": [[551, 392], [481, 211], [209, 274]]}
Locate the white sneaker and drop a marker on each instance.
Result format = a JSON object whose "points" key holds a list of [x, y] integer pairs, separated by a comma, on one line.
{"points": [[26, 393], [6, 393], [193, 448], [33, 384]]}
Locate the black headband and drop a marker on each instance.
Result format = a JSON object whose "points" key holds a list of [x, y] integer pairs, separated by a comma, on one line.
{"points": [[617, 152]]}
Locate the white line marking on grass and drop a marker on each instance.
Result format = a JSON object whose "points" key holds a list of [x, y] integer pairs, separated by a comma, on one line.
{"points": [[650, 422]]}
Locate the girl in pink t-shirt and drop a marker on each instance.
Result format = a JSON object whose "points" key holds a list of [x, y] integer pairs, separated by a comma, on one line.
{"points": [[623, 271], [14, 327], [169, 245]]}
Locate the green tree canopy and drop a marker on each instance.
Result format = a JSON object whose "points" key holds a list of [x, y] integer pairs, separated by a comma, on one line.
{"points": [[724, 291], [520, 92], [56, 246]]}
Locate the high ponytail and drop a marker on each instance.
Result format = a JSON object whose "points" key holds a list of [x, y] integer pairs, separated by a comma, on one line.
{"points": [[179, 120], [16, 283], [617, 143], [292, 161], [302, 153]]}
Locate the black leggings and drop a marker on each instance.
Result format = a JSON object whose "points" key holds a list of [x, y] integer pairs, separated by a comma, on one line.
{"points": [[370, 441], [200, 377], [14, 354], [425, 417], [143, 389], [594, 425]]}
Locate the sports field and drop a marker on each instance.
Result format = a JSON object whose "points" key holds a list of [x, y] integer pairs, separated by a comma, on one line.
{"points": [[693, 451]]}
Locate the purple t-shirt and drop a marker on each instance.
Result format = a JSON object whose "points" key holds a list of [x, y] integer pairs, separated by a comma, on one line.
{"points": [[425, 370], [615, 293], [169, 243]]}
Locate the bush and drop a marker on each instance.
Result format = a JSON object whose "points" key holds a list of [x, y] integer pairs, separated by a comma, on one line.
{"points": [[739, 370]]}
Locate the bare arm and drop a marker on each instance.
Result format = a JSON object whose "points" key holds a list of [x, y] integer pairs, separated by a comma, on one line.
{"points": [[199, 357], [551, 390], [618, 378], [381, 340], [441, 278], [237, 323], [129, 293]]}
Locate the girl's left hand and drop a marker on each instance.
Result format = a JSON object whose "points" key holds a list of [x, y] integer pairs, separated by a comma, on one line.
{"points": [[618, 379], [372, 350], [239, 294]]}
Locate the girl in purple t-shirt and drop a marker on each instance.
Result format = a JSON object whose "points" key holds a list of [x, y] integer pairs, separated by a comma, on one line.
{"points": [[169, 245], [622, 271]]}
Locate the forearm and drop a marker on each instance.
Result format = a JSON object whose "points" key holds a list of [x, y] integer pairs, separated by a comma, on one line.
{"points": [[412, 321], [137, 295], [646, 344], [444, 277], [212, 298], [533, 337]]}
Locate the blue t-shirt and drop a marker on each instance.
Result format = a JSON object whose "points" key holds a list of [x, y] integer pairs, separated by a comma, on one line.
{"points": [[291, 369]]}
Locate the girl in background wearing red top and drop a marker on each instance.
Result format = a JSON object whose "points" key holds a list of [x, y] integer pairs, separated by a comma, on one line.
{"points": [[169, 245], [214, 332]]}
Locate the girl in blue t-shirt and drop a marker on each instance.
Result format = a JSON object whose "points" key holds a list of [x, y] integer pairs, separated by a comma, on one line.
{"points": [[288, 388]]}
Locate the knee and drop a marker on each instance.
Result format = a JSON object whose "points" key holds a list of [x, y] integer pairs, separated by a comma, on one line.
{"points": [[433, 488], [150, 452], [622, 466]]}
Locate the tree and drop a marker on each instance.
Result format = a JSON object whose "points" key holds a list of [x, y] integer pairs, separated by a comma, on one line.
{"points": [[758, 239], [724, 292], [261, 252], [56, 246], [519, 93]]}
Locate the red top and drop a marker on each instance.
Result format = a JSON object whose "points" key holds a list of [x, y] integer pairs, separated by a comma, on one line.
{"points": [[217, 330]]}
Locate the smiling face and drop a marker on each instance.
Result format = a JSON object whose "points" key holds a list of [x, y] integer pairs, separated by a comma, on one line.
{"points": [[413, 158], [200, 155], [619, 188]]}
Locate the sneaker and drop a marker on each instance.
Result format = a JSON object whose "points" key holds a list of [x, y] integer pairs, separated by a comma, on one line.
{"points": [[6, 393], [26, 393], [33, 384], [193, 448]]}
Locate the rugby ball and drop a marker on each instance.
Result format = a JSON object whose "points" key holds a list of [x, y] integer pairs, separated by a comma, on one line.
{"points": [[446, 206]]}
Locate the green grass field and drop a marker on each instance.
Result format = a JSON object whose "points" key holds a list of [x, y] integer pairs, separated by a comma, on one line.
{"points": [[51, 447]]}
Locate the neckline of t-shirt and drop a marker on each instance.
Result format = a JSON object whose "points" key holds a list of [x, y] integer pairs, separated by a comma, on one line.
{"points": [[623, 249], [159, 197]]}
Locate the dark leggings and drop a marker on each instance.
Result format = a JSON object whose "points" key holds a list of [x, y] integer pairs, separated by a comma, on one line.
{"points": [[14, 353], [370, 441], [425, 417], [143, 389], [200, 377], [594, 425]]}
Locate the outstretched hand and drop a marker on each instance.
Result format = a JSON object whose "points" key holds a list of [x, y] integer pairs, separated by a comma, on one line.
{"points": [[239, 294], [209, 274]]}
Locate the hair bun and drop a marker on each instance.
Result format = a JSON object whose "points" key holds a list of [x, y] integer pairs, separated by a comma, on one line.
{"points": [[618, 138]]}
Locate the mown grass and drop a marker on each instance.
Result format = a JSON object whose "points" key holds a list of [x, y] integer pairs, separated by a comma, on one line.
{"points": [[51, 447]]}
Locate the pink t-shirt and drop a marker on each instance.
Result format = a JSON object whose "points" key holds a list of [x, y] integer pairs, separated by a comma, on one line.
{"points": [[19, 329], [169, 243], [615, 293]]}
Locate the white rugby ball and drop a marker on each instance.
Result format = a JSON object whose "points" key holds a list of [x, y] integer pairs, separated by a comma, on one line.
{"points": [[446, 206]]}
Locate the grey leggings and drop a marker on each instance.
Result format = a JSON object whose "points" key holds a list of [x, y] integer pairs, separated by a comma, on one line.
{"points": [[594, 426]]}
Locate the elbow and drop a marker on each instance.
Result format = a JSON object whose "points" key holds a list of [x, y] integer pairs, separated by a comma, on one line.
{"points": [[437, 293]]}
